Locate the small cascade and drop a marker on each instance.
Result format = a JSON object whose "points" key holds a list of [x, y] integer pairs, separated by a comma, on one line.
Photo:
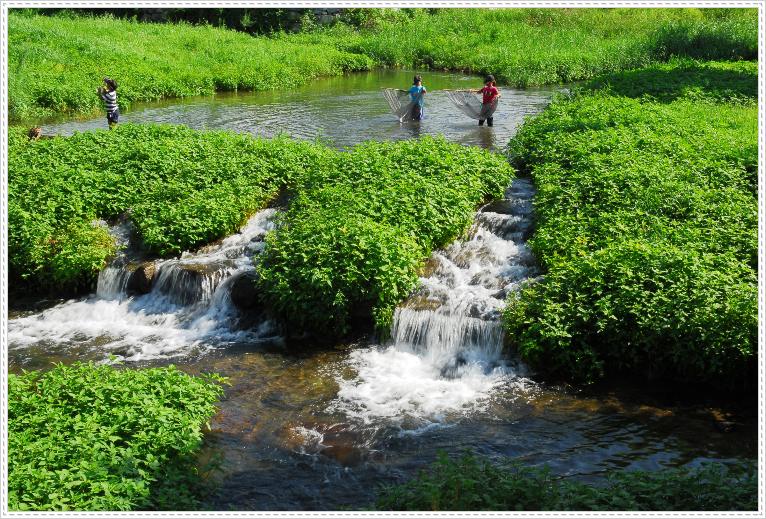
{"points": [[113, 280], [446, 350], [195, 277], [187, 305]]}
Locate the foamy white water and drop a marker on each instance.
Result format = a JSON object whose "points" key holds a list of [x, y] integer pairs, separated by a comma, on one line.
{"points": [[188, 309], [446, 353]]}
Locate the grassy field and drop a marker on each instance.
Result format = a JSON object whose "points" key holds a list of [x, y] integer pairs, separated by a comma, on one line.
{"points": [[87, 437], [647, 227], [539, 46], [56, 63]]}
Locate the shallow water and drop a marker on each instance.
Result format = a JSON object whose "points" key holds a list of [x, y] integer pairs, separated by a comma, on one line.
{"points": [[323, 428], [341, 110]]}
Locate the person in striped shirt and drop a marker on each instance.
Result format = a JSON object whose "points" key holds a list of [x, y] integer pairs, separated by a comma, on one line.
{"points": [[109, 95]]}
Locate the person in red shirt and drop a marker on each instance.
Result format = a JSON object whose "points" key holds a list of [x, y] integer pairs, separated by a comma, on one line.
{"points": [[490, 94]]}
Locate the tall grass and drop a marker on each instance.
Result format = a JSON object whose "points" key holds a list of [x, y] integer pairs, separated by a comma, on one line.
{"points": [[55, 63], [537, 46]]}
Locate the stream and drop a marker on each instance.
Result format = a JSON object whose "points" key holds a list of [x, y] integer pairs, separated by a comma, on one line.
{"points": [[323, 428]]}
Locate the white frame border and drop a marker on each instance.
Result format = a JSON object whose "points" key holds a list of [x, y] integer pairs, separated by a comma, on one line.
{"points": [[6, 4]]}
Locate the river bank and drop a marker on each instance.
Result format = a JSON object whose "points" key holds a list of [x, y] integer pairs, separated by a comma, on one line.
{"points": [[50, 75]]}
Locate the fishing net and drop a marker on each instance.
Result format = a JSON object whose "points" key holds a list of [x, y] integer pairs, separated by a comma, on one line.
{"points": [[401, 104], [469, 103]]}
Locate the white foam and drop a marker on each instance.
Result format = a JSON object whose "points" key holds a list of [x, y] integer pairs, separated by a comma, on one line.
{"points": [[446, 354], [157, 325], [411, 390]]}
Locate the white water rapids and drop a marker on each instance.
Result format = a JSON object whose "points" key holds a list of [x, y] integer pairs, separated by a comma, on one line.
{"points": [[188, 309], [446, 353]]}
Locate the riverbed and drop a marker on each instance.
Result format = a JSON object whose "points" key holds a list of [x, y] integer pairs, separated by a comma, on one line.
{"points": [[315, 428]]}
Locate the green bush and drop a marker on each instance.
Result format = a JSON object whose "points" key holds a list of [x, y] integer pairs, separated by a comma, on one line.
{"points": [[645, 308], [647, 226], [87, 437], [473, 483], [182, 188], [352, 241]]}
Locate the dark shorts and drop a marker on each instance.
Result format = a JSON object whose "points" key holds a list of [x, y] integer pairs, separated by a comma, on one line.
{"points": [[417, 112], [113, 117]]}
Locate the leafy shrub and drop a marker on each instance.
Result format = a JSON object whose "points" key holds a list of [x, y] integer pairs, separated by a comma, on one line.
{"points": [[353, 239], [87, 437], [650, 309], [473, 483], [182, 188], [647, 225]]}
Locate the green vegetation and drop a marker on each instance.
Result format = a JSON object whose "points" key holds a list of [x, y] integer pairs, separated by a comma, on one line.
{"points": [[181, 188], [358, 228], [524, 47], [472, 483], [87, 437], [354, 237], [56, 63], [647, 227], [714, 81]]}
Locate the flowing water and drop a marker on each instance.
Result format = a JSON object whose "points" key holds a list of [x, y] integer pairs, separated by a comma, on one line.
{"points": [[323, 428], [342, 111]]}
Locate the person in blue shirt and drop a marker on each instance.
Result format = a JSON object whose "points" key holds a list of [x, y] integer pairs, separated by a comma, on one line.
{"points": [[417, 91]]}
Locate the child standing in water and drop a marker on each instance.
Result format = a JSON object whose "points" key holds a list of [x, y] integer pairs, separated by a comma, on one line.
{"points": [[108, 94], [490, 94], [417, 91]]}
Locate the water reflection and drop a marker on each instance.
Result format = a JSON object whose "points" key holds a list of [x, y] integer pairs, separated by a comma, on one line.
{"points": [[341, 110]]}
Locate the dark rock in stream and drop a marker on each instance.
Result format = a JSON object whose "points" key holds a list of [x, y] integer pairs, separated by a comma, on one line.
{"points": [[140, 281], [512, 206], [243, 293]]}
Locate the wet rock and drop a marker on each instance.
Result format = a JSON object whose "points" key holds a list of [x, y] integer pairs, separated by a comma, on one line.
{"points": [[346, 455], [188, 283], [500, 294], [429, 267], [140, 281], [512, 206], [244, 293], [341, 444], [420, 303]]}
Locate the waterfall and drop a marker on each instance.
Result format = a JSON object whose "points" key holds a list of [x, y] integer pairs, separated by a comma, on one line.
{"points": [[188, 309], [446, 350]]}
